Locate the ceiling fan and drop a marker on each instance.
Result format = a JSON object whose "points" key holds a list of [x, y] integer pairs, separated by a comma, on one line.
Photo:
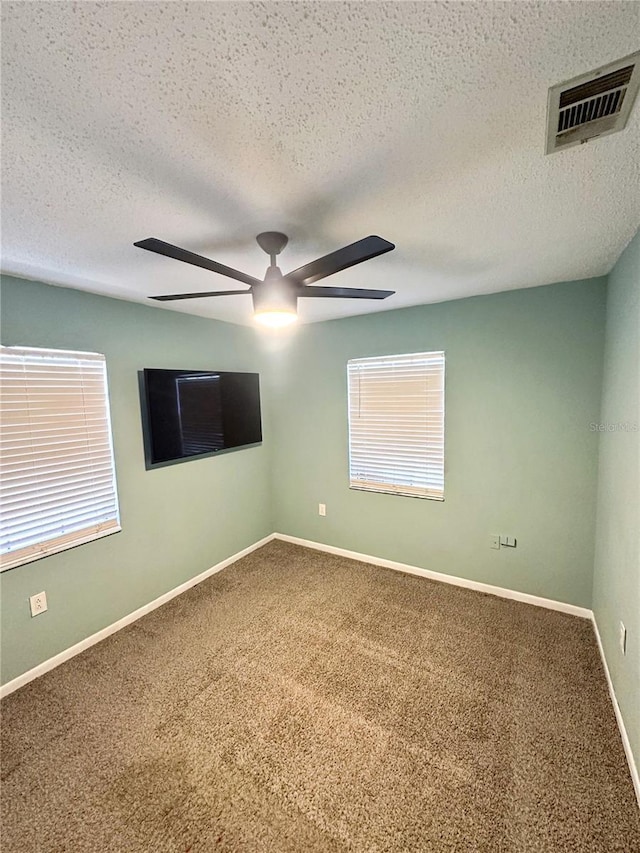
{"points": [[275, 299]]}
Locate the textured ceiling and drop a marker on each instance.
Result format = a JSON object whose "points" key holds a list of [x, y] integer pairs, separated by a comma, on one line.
{"points": [[204, 123]]}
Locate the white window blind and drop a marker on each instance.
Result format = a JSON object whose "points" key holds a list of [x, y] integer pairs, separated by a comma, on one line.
{"points": [[396, 424], [57, 477]]}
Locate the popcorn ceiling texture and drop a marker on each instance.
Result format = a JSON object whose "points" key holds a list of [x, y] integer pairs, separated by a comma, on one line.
{"points": [[303, 702], [205, 123]]}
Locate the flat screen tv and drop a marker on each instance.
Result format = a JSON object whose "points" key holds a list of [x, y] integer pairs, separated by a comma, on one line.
{"points": [[190, 413]]}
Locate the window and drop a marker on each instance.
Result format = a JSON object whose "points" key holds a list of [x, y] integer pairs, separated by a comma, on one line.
{"points": [[396, 424], [57, 478]]}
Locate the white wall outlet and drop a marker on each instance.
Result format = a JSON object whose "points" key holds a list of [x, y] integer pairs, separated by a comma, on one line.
{"points": [[322, 509], [508, 541], [622, 638], [494, 541], [38, 603]]}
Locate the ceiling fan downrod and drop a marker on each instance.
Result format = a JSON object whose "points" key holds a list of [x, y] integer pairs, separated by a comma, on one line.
{"points": [[272, 242]]}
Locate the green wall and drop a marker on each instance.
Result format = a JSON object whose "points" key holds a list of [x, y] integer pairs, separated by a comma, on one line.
{"points": [[177, 521], [523, 380], [616, 588], [523, 383]]}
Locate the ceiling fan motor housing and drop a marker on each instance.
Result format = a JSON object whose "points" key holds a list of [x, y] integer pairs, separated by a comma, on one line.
{"points": [[275, 293]]}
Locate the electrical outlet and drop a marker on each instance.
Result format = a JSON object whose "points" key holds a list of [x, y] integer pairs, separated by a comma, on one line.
{"points": [[622, 638], [508, 541], [494, 541], [38, 603], [322, 509]]}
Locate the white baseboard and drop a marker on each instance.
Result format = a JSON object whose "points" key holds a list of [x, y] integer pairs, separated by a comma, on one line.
{"points": [[74, 650], [621, 726], [500, 591]]}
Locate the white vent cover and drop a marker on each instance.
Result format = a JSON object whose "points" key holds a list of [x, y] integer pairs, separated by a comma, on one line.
{"points": [[592, 104]]}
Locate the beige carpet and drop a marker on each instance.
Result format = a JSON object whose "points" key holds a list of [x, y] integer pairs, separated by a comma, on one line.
{"points": [[302, 702]]}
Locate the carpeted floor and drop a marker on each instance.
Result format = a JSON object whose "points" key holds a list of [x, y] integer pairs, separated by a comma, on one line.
{"points": [[302, 702]]}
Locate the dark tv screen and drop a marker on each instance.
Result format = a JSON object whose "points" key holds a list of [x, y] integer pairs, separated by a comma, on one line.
{"points": [[198, 412]]}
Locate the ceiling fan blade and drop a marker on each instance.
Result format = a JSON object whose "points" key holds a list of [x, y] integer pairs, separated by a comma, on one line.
{"points": [[151, 244], [344, 292], [355, 253], [197, 295]]}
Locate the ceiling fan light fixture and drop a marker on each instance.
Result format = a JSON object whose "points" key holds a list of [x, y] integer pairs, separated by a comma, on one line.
{"points": [[275, 319], [275, 302]]}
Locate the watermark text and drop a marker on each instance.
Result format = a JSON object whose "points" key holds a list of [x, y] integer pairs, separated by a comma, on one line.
{"points": [[616, 426]]}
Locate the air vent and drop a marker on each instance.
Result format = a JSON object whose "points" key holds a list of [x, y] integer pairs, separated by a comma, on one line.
{"points": [[593, 104]]}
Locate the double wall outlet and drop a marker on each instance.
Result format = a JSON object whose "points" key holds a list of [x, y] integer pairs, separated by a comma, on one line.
{"points": [[38, 603]]}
